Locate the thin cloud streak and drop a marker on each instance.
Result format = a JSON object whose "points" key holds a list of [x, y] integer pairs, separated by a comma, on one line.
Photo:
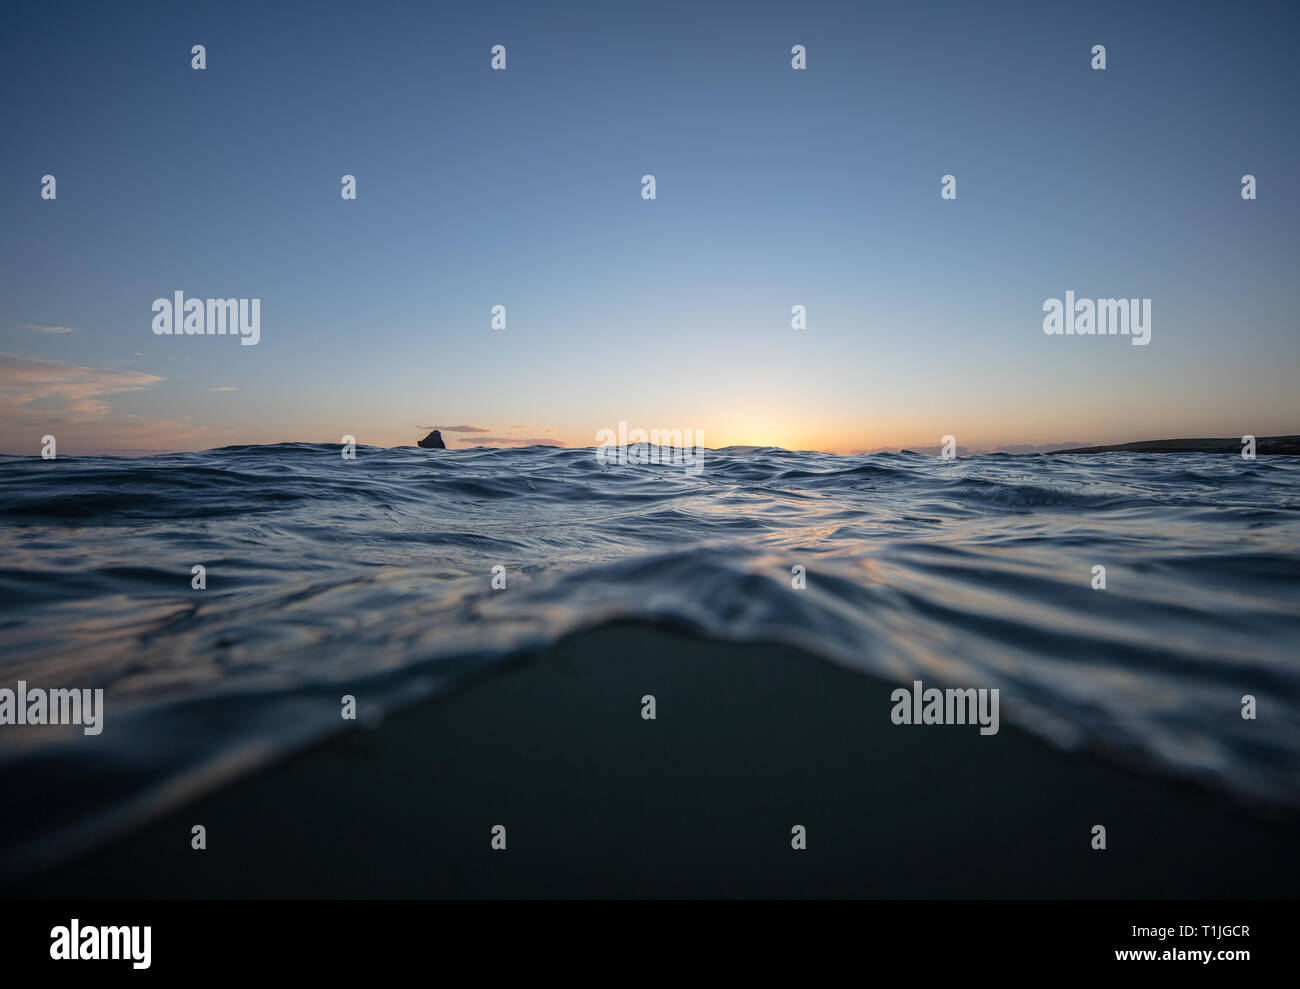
{"points": [[513, 441], [72, 403]]}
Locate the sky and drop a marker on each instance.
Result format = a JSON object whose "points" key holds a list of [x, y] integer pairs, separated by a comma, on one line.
{"points": [[523, 188]]}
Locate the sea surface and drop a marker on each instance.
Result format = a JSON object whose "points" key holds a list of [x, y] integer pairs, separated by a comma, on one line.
{"points": [[374, 577]]}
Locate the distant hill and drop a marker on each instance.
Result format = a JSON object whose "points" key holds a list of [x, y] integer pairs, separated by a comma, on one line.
{"points": [[1232, 444]]}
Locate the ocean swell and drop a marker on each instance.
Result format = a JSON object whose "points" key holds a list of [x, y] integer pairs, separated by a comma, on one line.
{"points": [[375, 577]]}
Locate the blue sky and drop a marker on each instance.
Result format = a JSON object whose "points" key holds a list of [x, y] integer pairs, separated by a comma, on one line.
{"points": [[522, 188]]}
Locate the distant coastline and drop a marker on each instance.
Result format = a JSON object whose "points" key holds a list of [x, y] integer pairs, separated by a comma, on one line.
{"points": [[1285, 445]]}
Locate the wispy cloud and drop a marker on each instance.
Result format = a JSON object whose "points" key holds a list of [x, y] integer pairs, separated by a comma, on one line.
{"points": [[962, 451], [72, 402], [48, 329], [224, 388], [513, 441], [76, 388], [458, 429]]}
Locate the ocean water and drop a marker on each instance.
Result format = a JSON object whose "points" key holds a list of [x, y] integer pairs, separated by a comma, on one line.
{"points": [[374, 577]]}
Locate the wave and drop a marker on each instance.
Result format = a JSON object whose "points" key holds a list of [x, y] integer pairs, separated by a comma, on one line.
{"points": [[374, 576]]}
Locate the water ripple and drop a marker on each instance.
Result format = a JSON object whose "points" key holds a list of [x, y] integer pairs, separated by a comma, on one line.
{"points": [[375, 574]]}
